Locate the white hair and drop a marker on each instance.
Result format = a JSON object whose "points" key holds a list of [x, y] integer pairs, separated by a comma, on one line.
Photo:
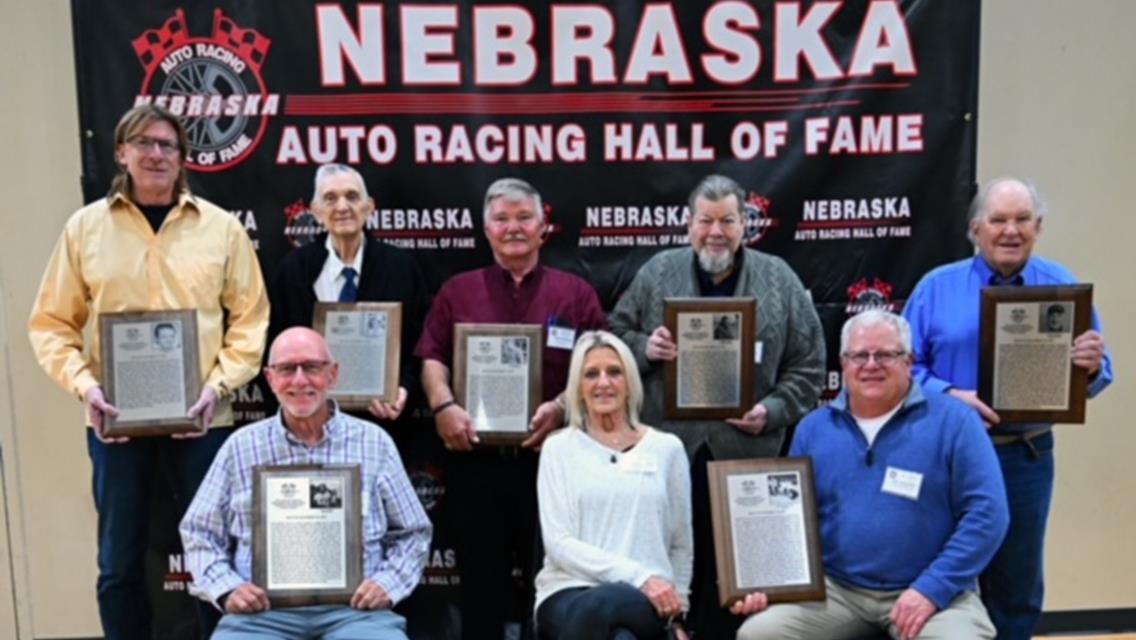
{"points": [[872, 318], [978, 206], [512, 190], [325, 171]]}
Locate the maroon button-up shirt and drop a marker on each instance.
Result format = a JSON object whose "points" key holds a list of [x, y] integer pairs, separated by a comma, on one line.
{"points": [[545, 296]]}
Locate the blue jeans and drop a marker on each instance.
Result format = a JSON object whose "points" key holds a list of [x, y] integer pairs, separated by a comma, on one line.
{"points": [[123, 475], [1013, 585], [612, 611], [325, 621]]}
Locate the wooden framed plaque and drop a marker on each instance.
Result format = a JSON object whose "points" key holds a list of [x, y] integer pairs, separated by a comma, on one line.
{"points": [[307, 533], [365, 339], [150, 371], [497, 377], [766, 536], [712, 377], [1025, 373]]}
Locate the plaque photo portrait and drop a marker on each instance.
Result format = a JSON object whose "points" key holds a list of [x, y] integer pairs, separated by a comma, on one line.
{"points": [[150, 371], [1025, 370], [365, 339], [307, 529], [766, 535], [712, 375], [497, 378]]}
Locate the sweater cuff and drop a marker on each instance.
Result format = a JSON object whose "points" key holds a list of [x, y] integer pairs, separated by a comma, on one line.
{"points": [[641, 578], [775, 412], [84, 383], [935, 590]]}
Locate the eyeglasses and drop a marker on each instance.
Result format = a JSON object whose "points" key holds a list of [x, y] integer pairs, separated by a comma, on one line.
{"points": [[882, 358], [728, 222], [288, 369], [145, 143]]}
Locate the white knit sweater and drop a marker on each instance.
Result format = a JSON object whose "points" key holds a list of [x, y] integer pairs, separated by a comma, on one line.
{"points": [[610, 516]]}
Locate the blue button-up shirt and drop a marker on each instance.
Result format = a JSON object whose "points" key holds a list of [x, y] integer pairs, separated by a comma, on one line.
{"points": [[217, 528], [944, 314]]}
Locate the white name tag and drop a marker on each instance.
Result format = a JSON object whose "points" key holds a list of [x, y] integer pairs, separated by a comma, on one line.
{"points": [[561, 337], [366, 502], [635, 462], [757, 346], [902, 483]]}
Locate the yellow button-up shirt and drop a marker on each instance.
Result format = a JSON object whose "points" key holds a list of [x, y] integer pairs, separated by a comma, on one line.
{"points": [[109, 259]]}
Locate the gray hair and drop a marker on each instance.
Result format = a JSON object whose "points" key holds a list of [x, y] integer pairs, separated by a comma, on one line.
{"points": [[576, 411], [325, 171], [872, 318], [513, 190], [1038, 203], [714, 188]]}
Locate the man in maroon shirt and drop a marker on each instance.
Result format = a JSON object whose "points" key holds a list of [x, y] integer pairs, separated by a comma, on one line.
{"points": [[493, 491]]}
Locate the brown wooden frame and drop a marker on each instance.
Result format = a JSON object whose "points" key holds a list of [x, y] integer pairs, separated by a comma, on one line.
{"points": [[114, 427], [1081, 295], [535, 333], [389, 393], [728, 593], [672, 307], [351, 478]]}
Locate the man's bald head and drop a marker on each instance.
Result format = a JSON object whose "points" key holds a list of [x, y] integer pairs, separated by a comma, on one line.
{"points": [[297, 337]]}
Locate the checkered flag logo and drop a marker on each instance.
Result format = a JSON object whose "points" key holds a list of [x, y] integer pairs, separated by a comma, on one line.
{"points": [[248, 43], [154, 44]]}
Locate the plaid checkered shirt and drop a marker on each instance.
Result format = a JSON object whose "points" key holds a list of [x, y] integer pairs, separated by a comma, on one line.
{"points": [[216, 531]]}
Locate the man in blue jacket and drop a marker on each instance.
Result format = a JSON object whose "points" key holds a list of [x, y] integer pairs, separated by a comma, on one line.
{"points": [[910, 503]]}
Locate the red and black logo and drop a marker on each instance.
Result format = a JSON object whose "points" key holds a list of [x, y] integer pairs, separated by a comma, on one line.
{"points": [[551, 227], [213, 84], [301, 225], [863, 295], [755, 217]]}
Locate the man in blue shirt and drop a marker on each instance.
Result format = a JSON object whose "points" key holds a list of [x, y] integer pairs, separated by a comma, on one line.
{"points": [[909, 499], [943, 310]]}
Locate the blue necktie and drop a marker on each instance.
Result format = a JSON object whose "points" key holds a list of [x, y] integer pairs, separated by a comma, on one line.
{"points": [[349, 292], [1016, 281]]}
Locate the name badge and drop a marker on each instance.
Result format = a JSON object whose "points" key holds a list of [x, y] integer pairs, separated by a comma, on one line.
{"points": [[366, 502], [561, 337], [635, 462], [757, 347], [902, 483]]}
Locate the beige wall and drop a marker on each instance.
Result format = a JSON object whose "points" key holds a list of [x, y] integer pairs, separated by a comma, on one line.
{"points": [[1057, 101], [1057, 97], [46, 470]]}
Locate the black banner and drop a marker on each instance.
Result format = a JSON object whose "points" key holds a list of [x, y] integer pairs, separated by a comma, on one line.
{"points": [[851, 125]]}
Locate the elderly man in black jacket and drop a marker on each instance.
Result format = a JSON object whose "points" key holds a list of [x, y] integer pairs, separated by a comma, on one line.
{"points": [[346, 265]]}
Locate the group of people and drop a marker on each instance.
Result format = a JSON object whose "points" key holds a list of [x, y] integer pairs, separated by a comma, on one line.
{"points": [[932, 511]]}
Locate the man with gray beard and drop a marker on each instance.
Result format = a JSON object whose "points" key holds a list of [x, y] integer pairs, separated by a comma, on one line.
{"points": [[788, 368]]}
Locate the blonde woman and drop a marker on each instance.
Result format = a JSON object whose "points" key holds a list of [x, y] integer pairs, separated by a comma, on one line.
{"points": [[614, 498]]}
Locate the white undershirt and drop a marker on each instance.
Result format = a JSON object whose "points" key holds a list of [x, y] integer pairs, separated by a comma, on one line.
{"points": [[330, 282], [871, 426]]}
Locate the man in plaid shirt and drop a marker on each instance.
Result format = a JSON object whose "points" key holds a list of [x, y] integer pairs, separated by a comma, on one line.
{"points": [[309, 429]]}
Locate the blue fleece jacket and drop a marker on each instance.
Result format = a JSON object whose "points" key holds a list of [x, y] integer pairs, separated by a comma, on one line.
{"points": [[937, 543]]}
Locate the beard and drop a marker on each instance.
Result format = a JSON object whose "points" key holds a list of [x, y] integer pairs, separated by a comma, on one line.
{"points": [[714, 262]]}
